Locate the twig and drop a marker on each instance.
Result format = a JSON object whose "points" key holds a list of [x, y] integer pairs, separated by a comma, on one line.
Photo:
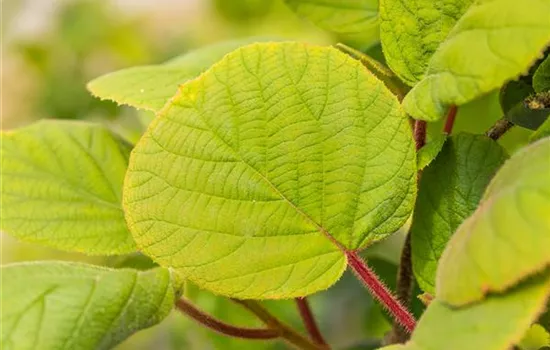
{"points": [[309, 321], [285, 332], [500, 127], [420, 133], [380, 291], [222, 327]]}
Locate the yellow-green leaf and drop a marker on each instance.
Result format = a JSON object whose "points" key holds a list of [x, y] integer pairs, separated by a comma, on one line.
{"points": [[62, 187], [411, 31], [56, 305], [507, 239], [150, 87], [257, 174], [496, 323], [495, 41]]}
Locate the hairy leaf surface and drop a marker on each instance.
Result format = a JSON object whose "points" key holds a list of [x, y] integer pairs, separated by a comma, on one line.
{"points": [[450, 191], [62, 187], [55, 305], [493, 42], [541, 78], [150, 87], [354, 20], [259, 173], [411, 31], [496, 323], [507, 238]]}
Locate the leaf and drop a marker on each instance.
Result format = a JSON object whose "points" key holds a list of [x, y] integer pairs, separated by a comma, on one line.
{"points": [[430, 151], [62, 187], [76, 306], [542, 132], [411, 31], [355, 20], [495, 323], [150, 87], [493, 42], [507, 239], [260, 172], [450, 191], [535, 338], [541, 78]]}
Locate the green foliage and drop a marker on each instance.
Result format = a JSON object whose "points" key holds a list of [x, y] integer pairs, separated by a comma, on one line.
{"points": [[355, 21], [150, 87], [62, 187], [541, 78], [452, 187], [542, 131], [280, 173], [535, 338], [493, 42], [430, 151], [412, 31], [54, 305], [497, 323], [516, 201]]}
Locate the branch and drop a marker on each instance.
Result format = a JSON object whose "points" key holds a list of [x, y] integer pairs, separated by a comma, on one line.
{"points": [[285, 332], [309, 321], [420, 133], [222, 327], [380, 291], [500, 127]]}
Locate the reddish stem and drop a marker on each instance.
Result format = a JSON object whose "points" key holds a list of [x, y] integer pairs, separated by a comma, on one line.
{"points": [[380, 291], [222, 327], [450, 122], [309, 321], [420, 133]]}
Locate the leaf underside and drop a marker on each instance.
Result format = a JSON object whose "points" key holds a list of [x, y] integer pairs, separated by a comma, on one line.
{"points": [[55, 305], [506, 37], [507, 239], [62, 187], [259, 173], [451, 188]]}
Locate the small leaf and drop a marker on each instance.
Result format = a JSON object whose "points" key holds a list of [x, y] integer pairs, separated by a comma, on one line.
{"points": [[258, 173], [542, 132], [541, 78], [411, 31], [495, 323], [450, 191], [62, 187], [150, 87], [55, 305], [535, 338], [430, 151], [356, 21], [493, 42], [507, 238]]}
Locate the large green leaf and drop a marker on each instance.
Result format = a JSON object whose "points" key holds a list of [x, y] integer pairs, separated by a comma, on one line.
{"points": [[450, 191], [55, 305], [541, 78], [62, 187], [411, 31], [259, 173], [493, 42], [150, 87], [355, 21], [508, 237], [496, 323]]}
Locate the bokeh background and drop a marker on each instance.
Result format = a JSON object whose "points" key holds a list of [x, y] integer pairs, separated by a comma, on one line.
{"points": [[52, 48]]}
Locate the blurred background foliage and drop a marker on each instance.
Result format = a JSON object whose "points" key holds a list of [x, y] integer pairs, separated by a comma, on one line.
{"points": [[52, 48]]}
